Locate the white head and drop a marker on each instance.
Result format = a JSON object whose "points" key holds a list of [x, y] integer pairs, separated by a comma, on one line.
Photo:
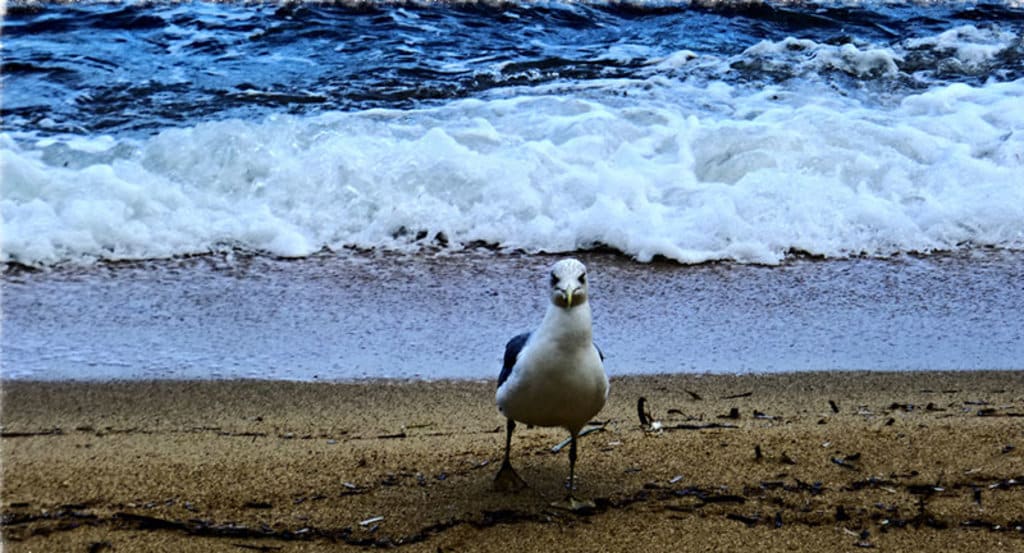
{"points": [[568, 283]]}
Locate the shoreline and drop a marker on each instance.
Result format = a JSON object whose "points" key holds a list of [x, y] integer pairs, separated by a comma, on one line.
{"points": [[927, 461], [449, 316]]}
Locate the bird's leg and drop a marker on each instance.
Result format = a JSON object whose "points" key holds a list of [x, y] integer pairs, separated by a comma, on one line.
{"points": [[507, 480], [571, 503], [572, 465]]}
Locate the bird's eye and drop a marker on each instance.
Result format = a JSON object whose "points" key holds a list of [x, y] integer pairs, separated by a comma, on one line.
{"points": [[583, 278], [554, 279]]}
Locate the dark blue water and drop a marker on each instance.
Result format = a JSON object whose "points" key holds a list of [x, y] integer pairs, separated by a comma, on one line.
{"points": [[90, 67]]}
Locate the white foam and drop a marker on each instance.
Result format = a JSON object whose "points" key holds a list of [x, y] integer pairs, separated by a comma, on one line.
{"points": [[961, 50], [968, 46], [761, 174], [802, 56]]}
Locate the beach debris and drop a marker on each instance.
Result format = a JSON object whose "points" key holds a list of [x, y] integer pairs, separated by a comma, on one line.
{"points": [[1005, 484], [993, 526], [371, 520], [700, 426], [814, 488], [832, 404], [847, 462], [737, 396], [749, 520], [924, 490], [676, 479], [611, 445], [648, 424], [841, 514], [694, 395], [778, 519], [642, 413], [55, 431], [258, 547], [397, 435], [872, 482], [785, 459], [757, 453], [351, 489], [763, 416], [1007, 448], [734, 413], [588, 430], [257, 505], [862, 541], [98, 546], [706, 497]]}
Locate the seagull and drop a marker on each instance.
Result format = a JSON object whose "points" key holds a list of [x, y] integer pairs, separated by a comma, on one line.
{"points": [[553, 376]]}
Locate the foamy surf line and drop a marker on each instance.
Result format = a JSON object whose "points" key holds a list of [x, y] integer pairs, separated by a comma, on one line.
{"points": [[342, 318], [766, 173]]}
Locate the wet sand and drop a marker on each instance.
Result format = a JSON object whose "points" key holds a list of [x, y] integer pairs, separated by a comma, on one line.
{"points": [[376, 315], [790, 462]]}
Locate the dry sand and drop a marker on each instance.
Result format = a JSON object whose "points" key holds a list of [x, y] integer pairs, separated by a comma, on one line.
{"points": [[799, 462]]}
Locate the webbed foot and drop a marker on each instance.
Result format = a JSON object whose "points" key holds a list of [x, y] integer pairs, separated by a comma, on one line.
{"points": [[571, 503], [508, 480]]}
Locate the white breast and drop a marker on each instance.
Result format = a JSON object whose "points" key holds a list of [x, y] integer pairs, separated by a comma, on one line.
{"points": [[558, 379]]}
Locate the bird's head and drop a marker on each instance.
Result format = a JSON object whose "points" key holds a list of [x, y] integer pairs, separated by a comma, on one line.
{"points": [[568, 283]]}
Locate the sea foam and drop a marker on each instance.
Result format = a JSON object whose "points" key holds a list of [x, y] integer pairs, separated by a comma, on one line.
{"points": [[752, 176]]}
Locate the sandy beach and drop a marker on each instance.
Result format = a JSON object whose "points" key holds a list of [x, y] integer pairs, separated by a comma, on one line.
{"points": [[791, 462]]}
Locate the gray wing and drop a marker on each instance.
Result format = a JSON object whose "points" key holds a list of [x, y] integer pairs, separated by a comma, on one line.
{"points": [[512, 349]]}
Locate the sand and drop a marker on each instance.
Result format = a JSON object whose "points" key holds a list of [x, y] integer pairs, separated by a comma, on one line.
{"points": [[793, 462]]}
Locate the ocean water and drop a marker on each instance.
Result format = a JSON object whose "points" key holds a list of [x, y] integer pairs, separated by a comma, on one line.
{"points": [[752, 135]]}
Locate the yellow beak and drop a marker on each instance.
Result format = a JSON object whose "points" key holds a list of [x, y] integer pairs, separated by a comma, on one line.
{"points": [[568, 298]]}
